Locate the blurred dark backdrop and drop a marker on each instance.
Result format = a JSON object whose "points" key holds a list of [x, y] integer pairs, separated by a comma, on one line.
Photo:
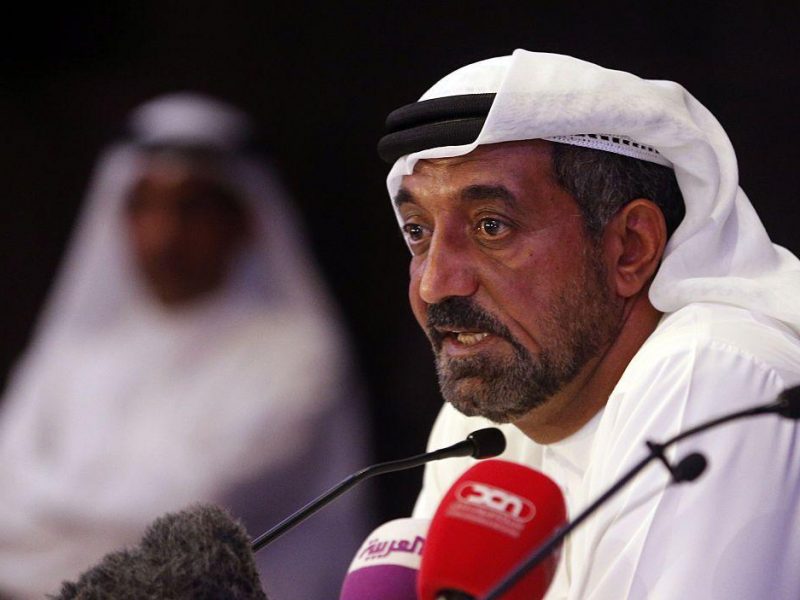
{"points": [[320, 82]]}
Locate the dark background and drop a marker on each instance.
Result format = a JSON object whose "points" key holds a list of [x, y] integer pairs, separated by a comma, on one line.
{"points": [[320, 82]]}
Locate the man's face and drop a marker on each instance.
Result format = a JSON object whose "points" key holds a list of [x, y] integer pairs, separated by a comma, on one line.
{"points": [[510, 290], [185, 231]]}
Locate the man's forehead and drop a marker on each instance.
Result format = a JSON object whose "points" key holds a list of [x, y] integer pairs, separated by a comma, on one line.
{"points": [[488, 171], [469, 193]]}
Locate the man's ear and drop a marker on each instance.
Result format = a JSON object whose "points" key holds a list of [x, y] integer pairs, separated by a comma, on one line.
{"points": [[634, 242]]}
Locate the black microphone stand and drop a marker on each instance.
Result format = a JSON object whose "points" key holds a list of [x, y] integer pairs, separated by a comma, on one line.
{"points": [[688, 469], [483, 443]]}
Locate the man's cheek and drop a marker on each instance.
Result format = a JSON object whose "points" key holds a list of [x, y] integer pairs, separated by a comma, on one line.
{"points": [[418, 305]]}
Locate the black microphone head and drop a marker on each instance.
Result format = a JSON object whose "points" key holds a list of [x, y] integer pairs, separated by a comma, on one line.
{"points": [[788, 404], [487, 443], [690, 467], [199, 553]]}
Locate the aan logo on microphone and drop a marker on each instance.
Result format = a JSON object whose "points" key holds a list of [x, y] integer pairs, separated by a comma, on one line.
{"points": [[492, 507]]}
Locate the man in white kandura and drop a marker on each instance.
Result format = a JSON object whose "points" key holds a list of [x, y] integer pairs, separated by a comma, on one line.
{"points": [[590, 275], [188, 352]]}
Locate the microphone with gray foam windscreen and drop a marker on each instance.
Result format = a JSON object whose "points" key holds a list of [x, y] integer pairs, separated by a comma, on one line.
{"points": [[201, 552]]}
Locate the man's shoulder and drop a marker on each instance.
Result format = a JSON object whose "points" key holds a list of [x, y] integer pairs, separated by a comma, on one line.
{"points": [[702, 361], [703, 332]]}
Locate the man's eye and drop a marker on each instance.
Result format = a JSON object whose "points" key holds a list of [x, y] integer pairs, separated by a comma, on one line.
{"points": [[491, 227], [413, 231]]}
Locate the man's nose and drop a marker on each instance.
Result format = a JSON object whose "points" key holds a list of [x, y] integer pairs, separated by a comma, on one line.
{"points": [[448, 270]]}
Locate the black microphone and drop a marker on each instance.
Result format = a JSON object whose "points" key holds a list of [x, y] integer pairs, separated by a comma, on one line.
{"points": [[200, 552], [689, 468], [786, 405], [483, 443]]}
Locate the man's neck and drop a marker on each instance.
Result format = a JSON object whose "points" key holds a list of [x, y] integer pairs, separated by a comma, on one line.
{"points": [[580, 400]]}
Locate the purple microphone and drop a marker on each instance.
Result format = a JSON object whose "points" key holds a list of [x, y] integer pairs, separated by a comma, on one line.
{"points": [[387, 563]]}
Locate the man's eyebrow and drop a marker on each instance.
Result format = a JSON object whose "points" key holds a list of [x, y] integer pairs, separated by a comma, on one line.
{"points": [[403, 197], [469, 193], [489, 192]]}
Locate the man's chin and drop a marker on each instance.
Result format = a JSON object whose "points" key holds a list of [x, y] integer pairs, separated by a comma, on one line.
{"points": [[470, 397], [468, 407]]}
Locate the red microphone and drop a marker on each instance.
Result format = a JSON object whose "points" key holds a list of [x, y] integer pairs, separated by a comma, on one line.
{"points": [[490, 519]]}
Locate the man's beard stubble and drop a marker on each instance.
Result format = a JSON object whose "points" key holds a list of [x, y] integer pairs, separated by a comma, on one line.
{"points": [[579, 323]]}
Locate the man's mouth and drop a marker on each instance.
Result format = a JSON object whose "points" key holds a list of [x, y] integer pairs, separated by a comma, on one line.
{"points": [[458, 326], [461, 338], [469, 338]]}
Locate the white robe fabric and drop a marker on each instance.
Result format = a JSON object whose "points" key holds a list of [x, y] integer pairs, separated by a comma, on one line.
{"points": [[729, 339], [121, 410]]}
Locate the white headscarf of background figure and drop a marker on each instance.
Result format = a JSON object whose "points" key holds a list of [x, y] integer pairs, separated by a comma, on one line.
{"points": [[122, 409]]}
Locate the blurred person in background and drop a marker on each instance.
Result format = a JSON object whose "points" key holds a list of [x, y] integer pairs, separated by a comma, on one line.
{"points": [[188, 352]]}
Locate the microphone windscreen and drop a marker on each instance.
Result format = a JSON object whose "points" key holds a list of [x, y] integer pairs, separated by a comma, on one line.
{"points": [[200, 552], [689, 468], [492, 517], [789, 403], [387, 563], [487, 442]]}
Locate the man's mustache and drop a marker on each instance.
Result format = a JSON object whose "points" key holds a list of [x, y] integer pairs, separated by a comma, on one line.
{"points": [[462, 313]]}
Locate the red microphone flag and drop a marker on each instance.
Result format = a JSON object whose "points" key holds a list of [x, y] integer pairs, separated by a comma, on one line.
{"points": [[492, 517]]}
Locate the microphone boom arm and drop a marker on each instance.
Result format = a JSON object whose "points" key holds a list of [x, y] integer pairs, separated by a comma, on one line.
{"points": [[479, 444]]}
